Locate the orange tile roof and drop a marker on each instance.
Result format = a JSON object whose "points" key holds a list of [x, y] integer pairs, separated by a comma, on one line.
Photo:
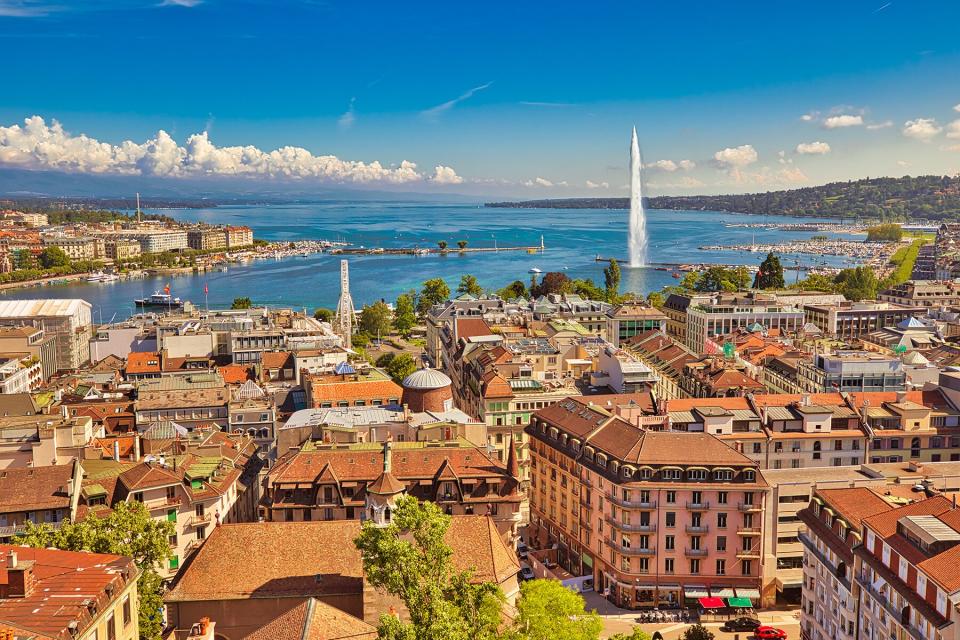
{"points": [[236, 373], [276, 360], [785, 399], [334, 389], [140, 362], [686, 404], [66, 580], [854, 503], [314, 620], [472, 327], [35, 488]]}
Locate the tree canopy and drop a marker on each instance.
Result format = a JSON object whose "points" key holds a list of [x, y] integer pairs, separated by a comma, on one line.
{"points": [[516, 289], [469, 285], [53, 257], [400, 366], [404, 313], [611, 280], [241, 303], [434, 291], [890, 232], [547, 610], [376, 319], [323, 314], [770, 274]]}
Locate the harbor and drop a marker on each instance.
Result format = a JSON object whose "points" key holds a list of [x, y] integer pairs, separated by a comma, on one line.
{"points": [[855, 252]]}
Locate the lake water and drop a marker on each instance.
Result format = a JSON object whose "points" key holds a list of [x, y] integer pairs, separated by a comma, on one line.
{"points": [[573, 238]]}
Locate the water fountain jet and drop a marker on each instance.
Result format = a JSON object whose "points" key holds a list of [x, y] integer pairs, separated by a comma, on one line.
{"points": [[638, 219]]}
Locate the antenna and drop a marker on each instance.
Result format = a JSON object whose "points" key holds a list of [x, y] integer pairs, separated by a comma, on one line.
{"points": [[346, 315]]}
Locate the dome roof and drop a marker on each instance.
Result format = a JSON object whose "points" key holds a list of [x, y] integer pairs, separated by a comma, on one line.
{"points": [[426, 378]]}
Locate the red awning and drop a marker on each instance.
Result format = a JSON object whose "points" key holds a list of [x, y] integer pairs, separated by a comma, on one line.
{"points": [[711, 603]]}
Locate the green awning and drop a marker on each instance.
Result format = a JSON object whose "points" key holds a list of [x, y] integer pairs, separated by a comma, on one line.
{"points": [[739, 603]]}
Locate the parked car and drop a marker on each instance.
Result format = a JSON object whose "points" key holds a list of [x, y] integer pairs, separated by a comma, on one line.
{"points": [[741, 624], [770, 633], [526, 573], [522, 551]]}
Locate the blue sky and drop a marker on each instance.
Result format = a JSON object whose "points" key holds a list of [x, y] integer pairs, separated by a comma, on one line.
{"points": [[515, 98]]}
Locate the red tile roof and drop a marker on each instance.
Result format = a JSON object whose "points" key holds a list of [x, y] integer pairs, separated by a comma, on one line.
{"points": [[236, 373], [276, 360], [472, 327], [855, 503], [314, 620], [336, 389], [141, 362], [35, 488]]}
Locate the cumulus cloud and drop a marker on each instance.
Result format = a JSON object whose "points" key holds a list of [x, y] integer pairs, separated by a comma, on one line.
{"points": [[597, 185], [813, 148], [538, 182], [886, 124], [440, 109], [39, 145], [733, 159], [924, 129], [670, 166], [956, 107], [953, 130], [349, 116], [783, 159], [843, 120], [445, 175], [809, 117]]}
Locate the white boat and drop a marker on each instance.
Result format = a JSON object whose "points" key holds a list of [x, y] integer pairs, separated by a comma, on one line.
{"points": [[158, 299], [535, 270], [99, 276]]}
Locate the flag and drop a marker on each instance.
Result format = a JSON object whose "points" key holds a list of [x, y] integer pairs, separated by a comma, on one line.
{"points": [[206, 289], [166, 289]]}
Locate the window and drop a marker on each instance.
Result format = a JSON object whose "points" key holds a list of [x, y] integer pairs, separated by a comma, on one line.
{"points": [[127, 617], [756, 447], [111, 627], [721, 520], [671, 519], [721, 497], [721, 567], [174, 562], [697, 474], [746, 567], [838, 445], [669, 542], [694, 566], [749, 475], [922, 584], [671, 497], [171, 515], [668, 565], [721, 543]]}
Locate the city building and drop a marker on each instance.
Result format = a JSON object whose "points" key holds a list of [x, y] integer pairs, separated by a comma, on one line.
{"points": [[46, 495], [207, 238], [923, 293], [38, 439], [335, 481], [19, 373], [153, 240], [294, 555], [121, 248], [69, 321], [622, 372], [238, 237], [77, 248], [654, 517], [725, 313], [350, 387], [853, 319], [851, 371], [53, 594], [632, 318], [189, 400], [667, 358]]}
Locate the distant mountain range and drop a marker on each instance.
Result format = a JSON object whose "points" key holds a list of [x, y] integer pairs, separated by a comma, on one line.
{"points": [[921, 197]]}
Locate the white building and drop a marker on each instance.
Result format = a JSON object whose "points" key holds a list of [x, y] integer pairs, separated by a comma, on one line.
{"points": [[69, 320]]}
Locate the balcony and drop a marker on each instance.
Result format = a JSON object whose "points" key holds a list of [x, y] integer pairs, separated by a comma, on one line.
{"points": [[698, 506], [748, 554], [631, 526], [701, 528], [750, 507], [894, 613], [192, 546], [8, 531], [748, 531], [630, 504], [696, 553], [199, 520], [629, 551], [162, 503]]}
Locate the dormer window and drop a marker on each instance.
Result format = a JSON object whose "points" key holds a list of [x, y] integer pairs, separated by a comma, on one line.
{"points": [[601, 459], [697, 474], [628, 471], [554, 432], [749, 475], [646, 473], [723, 474]]}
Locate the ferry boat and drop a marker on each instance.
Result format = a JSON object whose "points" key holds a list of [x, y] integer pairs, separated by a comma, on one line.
{"points": [[99, 276], [158, 299]]}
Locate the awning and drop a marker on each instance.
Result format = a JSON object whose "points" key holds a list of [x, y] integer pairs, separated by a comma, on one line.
{"points": [[739, 603], [669, 587], [646, 587], [753, 594], [694, 592], [721, 592], [711, 603]]}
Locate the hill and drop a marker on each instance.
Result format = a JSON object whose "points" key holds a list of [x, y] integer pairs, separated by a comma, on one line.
{"points": [[920, 197]]}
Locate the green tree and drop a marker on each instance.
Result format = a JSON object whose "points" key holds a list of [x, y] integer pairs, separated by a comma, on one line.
{"points": [[697, 632], [551, 282], [722, 279], [770, 274], [655, 299], [384, 361], [636, 634], [857, 284], [410, 559], [241, 303], [462, 244], [469, 285], [443, 245], [515, 289], [434, 291], [585, 288], [129, 530], [611, 280], [547, 610], [816, 282], [890, 232], [324, 314], [401, 366], [404, 312], [376, 319], [24, 259], [52, 257]]}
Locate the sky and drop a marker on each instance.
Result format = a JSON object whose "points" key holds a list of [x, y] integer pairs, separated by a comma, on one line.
{"points": [[521, 99]]}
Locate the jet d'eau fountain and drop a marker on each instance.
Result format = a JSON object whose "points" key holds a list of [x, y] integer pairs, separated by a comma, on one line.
{"points": [[638, 219]]}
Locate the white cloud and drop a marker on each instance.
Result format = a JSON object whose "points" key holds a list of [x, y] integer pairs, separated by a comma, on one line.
{"points": [[38, 145], [845, 120], [903, 163], [445, 175], [808, 117], [349, 116], [538, 182], [813, 148], [886, 124], [670, 166], [953, 129], [597, 185], [952, 147], [956, 107], [440, 109], [921, 129], [733, 159], [783, 159]]}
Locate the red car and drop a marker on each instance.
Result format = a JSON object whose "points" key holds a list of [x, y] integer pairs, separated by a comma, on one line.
{"points": [[770, 633]]}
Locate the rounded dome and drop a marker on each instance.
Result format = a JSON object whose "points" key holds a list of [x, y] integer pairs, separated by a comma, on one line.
{"points": [[426, 378]]}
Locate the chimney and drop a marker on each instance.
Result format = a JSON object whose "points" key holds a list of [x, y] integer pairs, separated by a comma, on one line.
{"points": [[20, 579], [136, 446], [388, 457], [203, 630], [901, 396], [116, 450]]}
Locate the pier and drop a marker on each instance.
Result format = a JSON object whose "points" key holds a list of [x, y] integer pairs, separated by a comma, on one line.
{"points": [[423, 251]]}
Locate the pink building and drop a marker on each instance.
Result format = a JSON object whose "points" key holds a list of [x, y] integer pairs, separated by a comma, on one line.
{"points": [[655, 518]]}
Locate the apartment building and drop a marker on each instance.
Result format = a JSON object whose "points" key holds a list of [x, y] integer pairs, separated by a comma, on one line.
{"points": [[830, 531], [337, 481], [68, 594], [189, 400], [69, 321], [47, 495], [851, 371], [206, 239], [632, 318], [622, 372], [350, 387], [853, 319], [655, 518], [77, 248], [19, 373], [34, 341], [237, 237], [723, 314], [121, 248], [923, 293], [668, 358]]}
